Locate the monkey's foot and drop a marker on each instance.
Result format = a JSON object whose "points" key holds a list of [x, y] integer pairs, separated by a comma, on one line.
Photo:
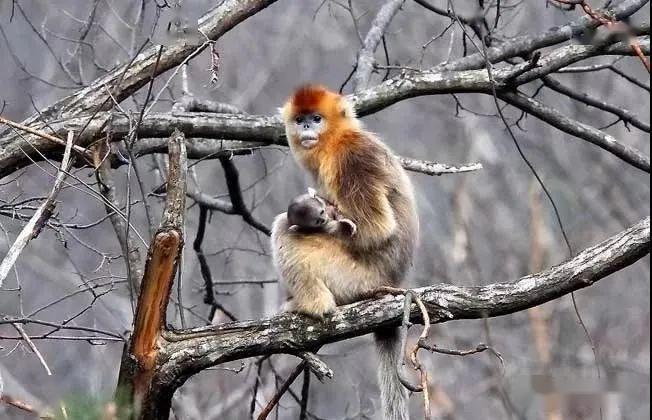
{"points": [[316, 308]]}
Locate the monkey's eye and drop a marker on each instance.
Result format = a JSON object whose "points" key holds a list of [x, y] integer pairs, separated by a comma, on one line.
{"points": [[317, 118], [300, 119]]}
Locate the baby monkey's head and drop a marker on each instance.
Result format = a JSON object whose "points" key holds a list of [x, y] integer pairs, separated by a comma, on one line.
{"points": [[308, 211]]}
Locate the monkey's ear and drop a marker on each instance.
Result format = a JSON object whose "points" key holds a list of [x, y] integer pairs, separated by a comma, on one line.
{"points": [[285, 112], [293, 228], [348, 110]]}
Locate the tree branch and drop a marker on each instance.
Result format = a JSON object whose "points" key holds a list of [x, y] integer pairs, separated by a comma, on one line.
{"points": [[577, 129], [365, 64], [130, 250], [437, 81], [237, 200], [190, 351], [139, 360], [211, 26], [41, 215], [269, 130], [625, 115]]}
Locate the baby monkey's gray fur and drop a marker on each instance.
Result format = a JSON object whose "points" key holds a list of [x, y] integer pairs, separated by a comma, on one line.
{"points": [[312, 213]]}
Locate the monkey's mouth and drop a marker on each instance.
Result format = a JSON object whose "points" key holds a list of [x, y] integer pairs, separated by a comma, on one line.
{"points": [[309, 141]]}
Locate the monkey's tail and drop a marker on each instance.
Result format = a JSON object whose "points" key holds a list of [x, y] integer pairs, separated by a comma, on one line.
{"points": [[394, 397]]}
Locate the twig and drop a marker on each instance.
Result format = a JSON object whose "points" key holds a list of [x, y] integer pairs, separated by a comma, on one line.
{"points": [[436, 168], [414, 357], [84, 152], [204, 268], [602, 18], [403, 333], [33, 347], [235, 193], [578, 129], [282, 390], [305, 394], [317, 366], [41, 215], [121, 226], [23, 406], [480, 348], [623, 114]]}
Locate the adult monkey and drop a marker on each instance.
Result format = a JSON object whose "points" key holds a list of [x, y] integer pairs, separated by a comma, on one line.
{"points": [[356, 172]]}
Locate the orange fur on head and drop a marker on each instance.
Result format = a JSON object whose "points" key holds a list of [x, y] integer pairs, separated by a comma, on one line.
{"points": [[338, 114]]}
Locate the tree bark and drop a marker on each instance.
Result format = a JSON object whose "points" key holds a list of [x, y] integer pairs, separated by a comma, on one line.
{"points": [[139, 361]]}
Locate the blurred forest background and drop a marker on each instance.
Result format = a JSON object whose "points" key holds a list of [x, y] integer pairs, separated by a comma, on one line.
{"points": [[487, 226]]}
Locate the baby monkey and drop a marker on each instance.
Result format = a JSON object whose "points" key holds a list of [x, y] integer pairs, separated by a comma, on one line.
{"points": [[311, 213]]}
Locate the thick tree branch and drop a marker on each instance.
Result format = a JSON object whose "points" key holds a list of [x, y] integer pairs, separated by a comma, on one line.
{"points": [[188, 352], [125, 80], [268, 130], [133, 76], [436, 81], [522, 46]]}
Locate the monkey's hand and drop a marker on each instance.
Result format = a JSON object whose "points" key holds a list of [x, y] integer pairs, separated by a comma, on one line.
{"points": [[317, 307], [342, 227], [348, 227]]}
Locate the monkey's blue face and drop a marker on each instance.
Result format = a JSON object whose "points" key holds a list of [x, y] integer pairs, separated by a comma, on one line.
{"points": [[308, 128]]}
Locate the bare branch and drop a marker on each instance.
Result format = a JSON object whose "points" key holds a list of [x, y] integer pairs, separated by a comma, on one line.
{"points": [[237, 200], [627, 116], [21, 405], [130, 249], [577, 129], [41, 215], [211, 26], [269, 129], [190, 351], [435, 168], [365, 64], [281, 391], [524, 45], [32, 347], [317, 366], [140, 357], [43, 135]]}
